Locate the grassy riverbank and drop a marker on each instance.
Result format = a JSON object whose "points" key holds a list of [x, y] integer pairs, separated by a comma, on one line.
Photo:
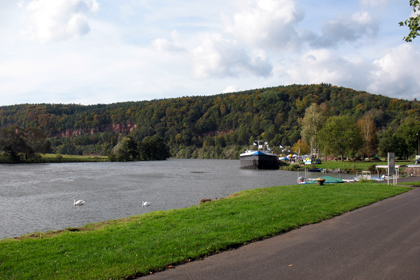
{"points": [[356, 166], [73, 158], [350, 166], [57, 158], [153, 241]]}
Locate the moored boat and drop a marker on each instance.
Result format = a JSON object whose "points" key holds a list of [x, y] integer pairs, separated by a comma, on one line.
{"points": [[314, 169], [259, 159]]}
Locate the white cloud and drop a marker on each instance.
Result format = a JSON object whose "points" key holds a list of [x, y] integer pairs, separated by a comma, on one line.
{"points": [[100, 69], [241, 43], [398, 73], [220, 57], [267, 23], [347, 29], [373, 3], [395, 74], [320, 66], [55, 20], [231, 88], [165, 45]]}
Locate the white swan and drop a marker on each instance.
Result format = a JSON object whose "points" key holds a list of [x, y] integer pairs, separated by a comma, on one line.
{"points": [[145, 203], [78, 203]]}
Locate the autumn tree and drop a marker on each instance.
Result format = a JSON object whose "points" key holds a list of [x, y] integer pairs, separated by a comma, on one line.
{"points": [[368, 133], [301, 147], [340, 136], [315, 118]]}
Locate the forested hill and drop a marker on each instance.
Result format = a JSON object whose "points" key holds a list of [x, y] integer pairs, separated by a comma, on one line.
{"points": [[211, 123]]}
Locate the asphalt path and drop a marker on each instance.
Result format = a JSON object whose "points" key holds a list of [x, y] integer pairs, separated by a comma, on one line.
{"points": [[380, 241]]}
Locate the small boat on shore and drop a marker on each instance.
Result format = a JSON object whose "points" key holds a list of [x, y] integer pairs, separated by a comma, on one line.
{"points": [[326, 180], [314, 169]]}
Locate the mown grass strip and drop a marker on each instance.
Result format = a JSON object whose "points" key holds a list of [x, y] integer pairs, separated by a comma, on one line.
{"points": [[153, 241]]}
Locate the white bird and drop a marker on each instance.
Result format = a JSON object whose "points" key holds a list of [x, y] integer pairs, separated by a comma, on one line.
{"points": [[145, 203], [78, 203]]}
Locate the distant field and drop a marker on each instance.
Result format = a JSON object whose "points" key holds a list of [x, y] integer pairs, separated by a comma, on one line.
{"points": [[71, 158], [56, 158]]}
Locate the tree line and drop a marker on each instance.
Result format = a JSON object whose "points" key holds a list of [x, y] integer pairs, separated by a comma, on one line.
{"points": [[219, 126], [343, 136]]}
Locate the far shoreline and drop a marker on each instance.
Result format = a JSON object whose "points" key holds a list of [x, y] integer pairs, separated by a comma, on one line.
{"points": [[349, 167], [59, 158]]}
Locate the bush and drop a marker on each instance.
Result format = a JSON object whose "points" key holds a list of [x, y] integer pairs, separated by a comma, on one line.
{"points": [[290, 167], [283, 163], [372, 168]]}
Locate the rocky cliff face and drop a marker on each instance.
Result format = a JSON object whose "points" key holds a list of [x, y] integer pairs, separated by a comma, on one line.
{"points": [[118, 128]]}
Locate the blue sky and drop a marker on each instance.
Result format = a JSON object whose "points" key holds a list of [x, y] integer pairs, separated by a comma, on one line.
{"points": [[106, 51]]}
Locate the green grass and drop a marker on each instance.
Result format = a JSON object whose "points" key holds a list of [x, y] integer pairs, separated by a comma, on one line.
{"points": [[72, 158], [58, 158], [150, 242]]}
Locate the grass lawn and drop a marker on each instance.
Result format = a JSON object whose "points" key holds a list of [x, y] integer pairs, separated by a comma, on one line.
{"points": [[150, 242]]}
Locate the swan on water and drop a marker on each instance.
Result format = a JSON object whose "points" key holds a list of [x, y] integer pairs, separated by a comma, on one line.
{"points": [[145, 203], [78, 203]]}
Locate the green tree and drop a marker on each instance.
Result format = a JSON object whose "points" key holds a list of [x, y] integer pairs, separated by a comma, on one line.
{"points": [[340, 136], [368, 133], [68, 148], [13, 142], [125, 150], [37, 140], [153, 148], [413, 22], [10, 155], [387, 142], [408, 132], [314, 120], [401, 148]]}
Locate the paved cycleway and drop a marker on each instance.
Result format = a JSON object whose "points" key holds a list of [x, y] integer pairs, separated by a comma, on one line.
{"points": [[380, 241]]}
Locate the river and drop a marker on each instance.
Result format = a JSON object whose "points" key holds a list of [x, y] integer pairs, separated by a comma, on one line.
{"points": [[39, 197]]}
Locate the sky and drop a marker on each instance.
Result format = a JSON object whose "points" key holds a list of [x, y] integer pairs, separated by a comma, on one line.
{"points": [[107, 51]]}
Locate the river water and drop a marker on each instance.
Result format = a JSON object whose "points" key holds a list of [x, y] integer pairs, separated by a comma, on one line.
{"points": [[39, 197]]}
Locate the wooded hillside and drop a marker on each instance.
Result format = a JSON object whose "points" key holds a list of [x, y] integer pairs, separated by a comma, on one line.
{"points": [[204, 126]]}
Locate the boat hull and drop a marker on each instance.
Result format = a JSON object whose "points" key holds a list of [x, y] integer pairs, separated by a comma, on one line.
{"points": [[315, 170], [259, 161]]}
